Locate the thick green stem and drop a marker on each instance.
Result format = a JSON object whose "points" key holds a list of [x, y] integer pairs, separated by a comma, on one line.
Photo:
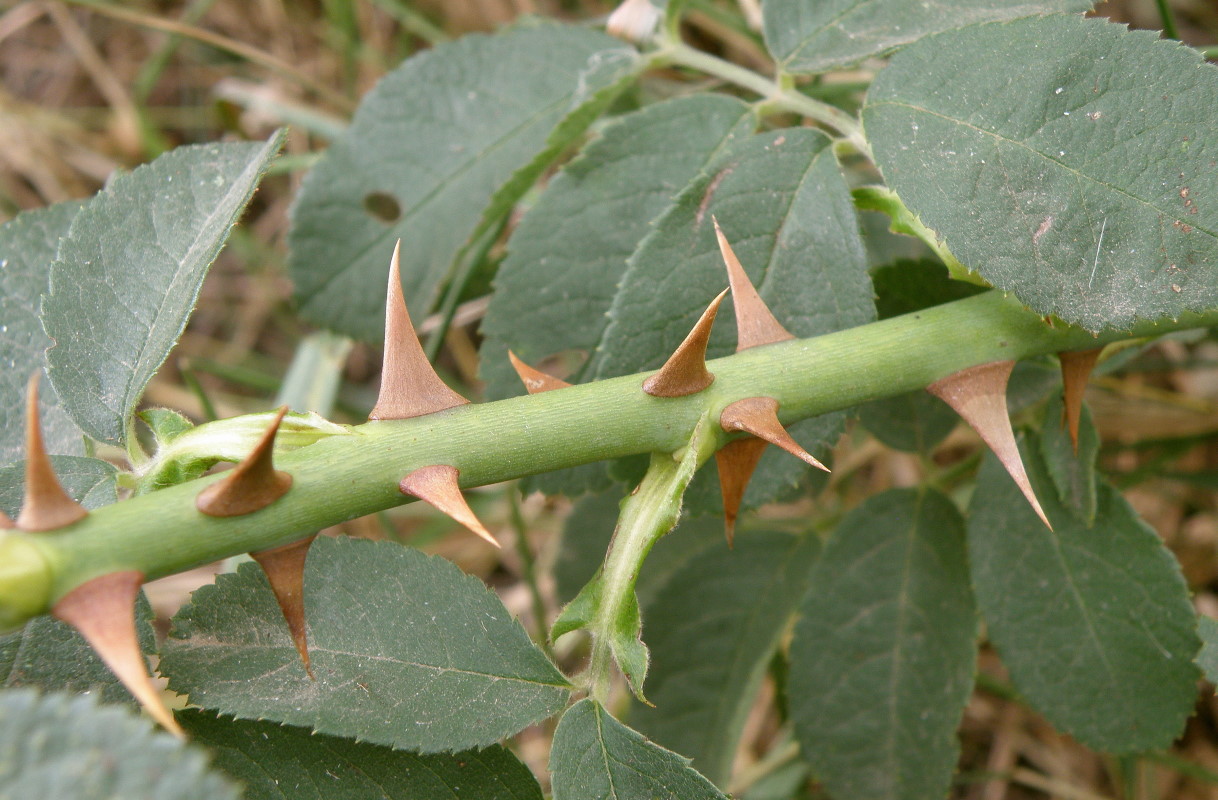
{"points": [[649, 513], [343, 477]]}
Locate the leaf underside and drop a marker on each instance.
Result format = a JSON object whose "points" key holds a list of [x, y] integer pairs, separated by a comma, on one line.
{"points": [[28, 244], [450, 138], [127, 275], [407, 650], [65, 746], [807, 36], [1090, 197]]}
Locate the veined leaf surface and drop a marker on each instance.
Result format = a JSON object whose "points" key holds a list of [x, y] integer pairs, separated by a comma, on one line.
{"points": [[1089, 195]]}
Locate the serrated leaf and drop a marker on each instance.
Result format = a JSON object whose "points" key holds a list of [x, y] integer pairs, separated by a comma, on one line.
{"points": [[89, 481], [595, 757], [787, 211], [276, 762], [883, 655], [50, 655], [128, 273], [1087, 193], [407, 651], [712, 629], [71, 748], [1093, 621], [555, 288], [28, 244], [815, 35], [1207, 659], [442, 146], [1073, 475]]}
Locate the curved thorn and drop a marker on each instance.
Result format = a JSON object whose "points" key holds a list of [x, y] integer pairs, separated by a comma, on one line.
{"points": [[535, 381], [759, 416], [252, 484], [755, 325], [437, 486], [410, 386], [685, 372], [736, 461], [284, 568], [46, 506], [103, 611], [979, 395], [1076, 370]]}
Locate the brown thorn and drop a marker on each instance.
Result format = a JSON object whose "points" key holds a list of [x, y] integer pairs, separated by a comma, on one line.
{"points": [[534, 380], [755, 325], [6, 522], [252, 484], [46, 506], [979, 395], [759, 416], [103, 611], [437, 485], [1076, 370], [685, 371], [284, 568], [736, 461], [410, 386]]}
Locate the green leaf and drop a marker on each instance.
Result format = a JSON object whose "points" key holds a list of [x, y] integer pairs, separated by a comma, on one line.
{"points": [[554, 290], [595, 757], [27, 247], [1093, 621], [1089, 196], [883, 655], [1207, 659], [788, 213], [71, 748], [712, 629], [128, 273], [407, 650], [442, 147], [817, 35], [89, 481], [276, 762], [51, 655], [1073, 475]]}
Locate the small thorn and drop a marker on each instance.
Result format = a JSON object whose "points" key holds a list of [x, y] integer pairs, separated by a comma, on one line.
{"points": [[736, 461], [685, 371], [6, 522], [755, 325], [410, 386], [979, 395], [534, 380], [284, 568], [1076, 370], [759, 416], [46, 506], [437, 485], [103, 611], [251, 485]]}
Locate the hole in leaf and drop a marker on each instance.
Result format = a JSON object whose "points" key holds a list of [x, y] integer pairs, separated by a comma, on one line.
{"points": [[383, 206]]}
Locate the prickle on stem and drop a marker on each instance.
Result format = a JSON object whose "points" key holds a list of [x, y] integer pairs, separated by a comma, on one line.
{"points": [[438, 486], [535, 381], [252, 484], [685, 371], [46, 506]]}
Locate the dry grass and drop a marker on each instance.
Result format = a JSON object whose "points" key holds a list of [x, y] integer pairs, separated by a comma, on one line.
{"points": [[90, 88]]}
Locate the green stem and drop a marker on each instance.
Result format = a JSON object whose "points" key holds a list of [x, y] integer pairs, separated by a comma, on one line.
{"points": [[649, 513], [343, 477], [775, 94]]}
